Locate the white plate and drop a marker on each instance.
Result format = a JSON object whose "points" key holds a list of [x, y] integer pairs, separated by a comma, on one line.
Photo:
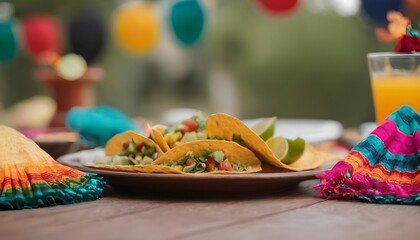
{"points": [[312, 130], [366, 128]]}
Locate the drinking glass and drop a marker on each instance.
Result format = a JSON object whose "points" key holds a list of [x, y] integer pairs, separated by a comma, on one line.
{"points": [[395, 81]]}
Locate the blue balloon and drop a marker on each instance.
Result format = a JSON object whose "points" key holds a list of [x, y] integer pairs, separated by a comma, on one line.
{"points": [[375, 10], [97, 125], [187, 20]]}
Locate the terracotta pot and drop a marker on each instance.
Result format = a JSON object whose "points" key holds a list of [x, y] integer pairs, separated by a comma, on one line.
{"points": [[68, 94]]}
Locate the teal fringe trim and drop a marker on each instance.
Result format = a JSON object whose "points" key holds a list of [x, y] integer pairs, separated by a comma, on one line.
{"points": [[88, 188], [413, 200]]}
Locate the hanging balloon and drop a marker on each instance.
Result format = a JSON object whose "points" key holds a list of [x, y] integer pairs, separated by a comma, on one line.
{"points": [[40, 35], [375, 10], [8, 40], [87, 34], [278, 7], [187, 19], [136, 27]]}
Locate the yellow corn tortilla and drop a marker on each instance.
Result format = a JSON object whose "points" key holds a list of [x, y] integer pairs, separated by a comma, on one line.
{"points": [[138, 168], [233, 152], [312, 158], [157, 136], [114, 145], [224, 126]]}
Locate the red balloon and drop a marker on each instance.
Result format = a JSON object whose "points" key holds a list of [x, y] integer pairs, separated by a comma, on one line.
{"points": [[278, 6], [41, 35]]}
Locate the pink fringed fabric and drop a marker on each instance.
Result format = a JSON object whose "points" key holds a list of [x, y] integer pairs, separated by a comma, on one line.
{"points": [[383, 168]]}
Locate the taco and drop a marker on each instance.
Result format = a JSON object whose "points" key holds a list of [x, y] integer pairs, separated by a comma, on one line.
{"points": [[223, 126], [190, 129], [210, 156], [156, 133], [131, 152]]}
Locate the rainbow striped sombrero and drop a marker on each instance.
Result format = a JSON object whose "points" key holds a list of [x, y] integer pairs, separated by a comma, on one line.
{"points": [[30, 178], [383, 168]]}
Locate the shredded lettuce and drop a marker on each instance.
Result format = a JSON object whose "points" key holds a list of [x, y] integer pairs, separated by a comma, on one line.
{"points": [[239, 167], [218, 156], [200, 163], [200, 119], [204, 155]]}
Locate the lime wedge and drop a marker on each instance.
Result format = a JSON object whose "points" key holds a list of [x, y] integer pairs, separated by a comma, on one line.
{"points": [[265, 128], [286, 150], [296, 149]]}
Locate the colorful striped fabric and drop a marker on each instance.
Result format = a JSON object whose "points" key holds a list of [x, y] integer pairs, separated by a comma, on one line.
{"points": [[30, 178], [383, 168]]}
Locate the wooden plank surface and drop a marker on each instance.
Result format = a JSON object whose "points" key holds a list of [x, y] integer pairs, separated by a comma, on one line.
{"points": [[296, 214]]}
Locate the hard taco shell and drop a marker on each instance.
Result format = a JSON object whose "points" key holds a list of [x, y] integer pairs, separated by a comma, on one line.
{"points": [[225, 126], [139, 168], [157, 136], [232, 151], [114, 145]]}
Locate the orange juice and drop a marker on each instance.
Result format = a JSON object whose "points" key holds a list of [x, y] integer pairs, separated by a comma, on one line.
{"points": [[391, 92]]}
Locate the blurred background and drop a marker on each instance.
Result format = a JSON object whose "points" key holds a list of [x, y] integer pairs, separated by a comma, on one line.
{"points": [[248, 58]]}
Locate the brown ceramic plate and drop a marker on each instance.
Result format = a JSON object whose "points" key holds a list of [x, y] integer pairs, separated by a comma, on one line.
{"points": [[192, 185]]}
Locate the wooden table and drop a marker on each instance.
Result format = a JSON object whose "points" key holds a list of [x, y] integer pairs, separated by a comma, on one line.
{"points": [[295, 214]]}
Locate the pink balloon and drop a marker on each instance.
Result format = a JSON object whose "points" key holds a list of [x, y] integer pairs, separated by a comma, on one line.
{"points": [[278, 6], [41, 34]]}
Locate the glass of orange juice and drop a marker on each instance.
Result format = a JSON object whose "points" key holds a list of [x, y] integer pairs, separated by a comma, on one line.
{"points": [[395, 81]]}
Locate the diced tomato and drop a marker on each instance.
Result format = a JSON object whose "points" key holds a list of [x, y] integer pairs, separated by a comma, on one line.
{"points": [[138, 147], [125, 145], [211, 161], [225, 165], [210, 168], [189, 162], [210, 164], [184, 129], [191, 124]]}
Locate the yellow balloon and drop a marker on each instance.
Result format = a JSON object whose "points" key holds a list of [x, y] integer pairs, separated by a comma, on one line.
{"points": [[136, 27]]}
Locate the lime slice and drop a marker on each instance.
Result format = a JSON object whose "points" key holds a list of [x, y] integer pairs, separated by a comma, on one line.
{"points": [[279, 146], [265, 128], [71, 67], [286, 150]]}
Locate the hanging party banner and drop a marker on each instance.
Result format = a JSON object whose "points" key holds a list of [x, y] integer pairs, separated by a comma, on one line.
{"points": [[187, 21], [87, 34], [8, 37], [278, 7], [375, 11], [135, 27], [41, 34], [8, 41]]}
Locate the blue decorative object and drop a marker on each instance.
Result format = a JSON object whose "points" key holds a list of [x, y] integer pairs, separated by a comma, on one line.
{"points": [[187, 20], [97, 125], [8, 42], [376, 10]]}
